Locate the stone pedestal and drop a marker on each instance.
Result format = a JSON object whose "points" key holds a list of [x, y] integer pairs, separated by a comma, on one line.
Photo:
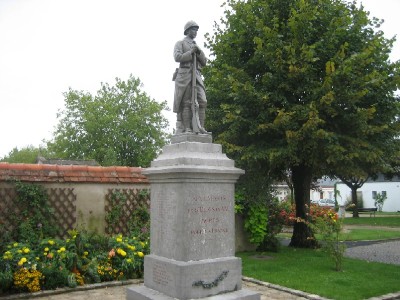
{"points": [[192, 225]]}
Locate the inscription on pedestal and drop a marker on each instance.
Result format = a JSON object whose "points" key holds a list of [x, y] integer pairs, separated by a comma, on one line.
{"points": [[209, 213], [160, 274]]}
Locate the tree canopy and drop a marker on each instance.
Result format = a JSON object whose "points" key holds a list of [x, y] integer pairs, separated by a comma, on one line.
{"points": [[305, 86], [120, 125], [28, 155]]}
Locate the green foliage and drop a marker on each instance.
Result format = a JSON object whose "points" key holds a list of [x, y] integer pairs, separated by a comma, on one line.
{"points": [[256, 223], [120, 125], [139, 224], [276, 211], [117, 202], [329, 226], [380, 200], [56, 276], [35, 218], [26, 155], [303, 87], [6, 280]]}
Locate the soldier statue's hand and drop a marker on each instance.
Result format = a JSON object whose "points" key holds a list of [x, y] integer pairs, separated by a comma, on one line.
{"points": [[196, 49]]}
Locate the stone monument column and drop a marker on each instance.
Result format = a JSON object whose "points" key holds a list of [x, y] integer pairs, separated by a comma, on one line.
{"points": [[192, 247]]}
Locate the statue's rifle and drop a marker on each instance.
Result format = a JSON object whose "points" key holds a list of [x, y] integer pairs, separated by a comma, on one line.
{"points": [[195, 105]]}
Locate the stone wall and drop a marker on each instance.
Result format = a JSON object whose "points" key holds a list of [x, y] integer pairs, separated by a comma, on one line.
{"points": [[80, 195]]}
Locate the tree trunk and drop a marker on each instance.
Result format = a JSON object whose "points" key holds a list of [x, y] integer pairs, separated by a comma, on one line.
{"points": [[302, 235], [354, 200]]}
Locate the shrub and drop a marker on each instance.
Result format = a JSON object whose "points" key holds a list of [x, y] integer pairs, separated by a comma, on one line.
{"points": [[329, 226], [6, 279], [277, 212]]}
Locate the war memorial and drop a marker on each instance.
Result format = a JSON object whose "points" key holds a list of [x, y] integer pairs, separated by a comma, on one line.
{"points": [[192, 246]]}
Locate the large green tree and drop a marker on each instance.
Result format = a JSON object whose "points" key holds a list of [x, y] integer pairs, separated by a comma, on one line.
{"points": [[305, 86], [120, 125]]}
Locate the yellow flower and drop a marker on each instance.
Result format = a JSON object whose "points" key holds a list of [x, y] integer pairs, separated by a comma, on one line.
{"points": [[19, 251], [121, 252], [119, 240], [25, 250], [143, 244], [51, 242], [46, 249], [129, 260], [22, 261], [62, 249], [44, 253], [140, 254], [85, 253], [15, 244]]}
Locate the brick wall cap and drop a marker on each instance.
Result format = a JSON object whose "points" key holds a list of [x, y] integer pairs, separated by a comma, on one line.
{"points": [[71, 173]]}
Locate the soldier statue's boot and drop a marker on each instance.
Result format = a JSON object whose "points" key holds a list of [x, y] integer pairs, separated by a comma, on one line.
{"points": [[186, 119], [179, 124], [202, 118]]}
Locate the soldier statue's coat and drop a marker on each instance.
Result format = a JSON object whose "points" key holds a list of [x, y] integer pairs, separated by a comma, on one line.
{"points": [[182, 54]]}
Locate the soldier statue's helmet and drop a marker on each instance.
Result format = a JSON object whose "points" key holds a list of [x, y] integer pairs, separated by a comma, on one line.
{"points": [[189, 25]]}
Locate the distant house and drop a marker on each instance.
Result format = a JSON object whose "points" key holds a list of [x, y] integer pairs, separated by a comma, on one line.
{"points": [[370, 189], [281, 191], [325, 189]]}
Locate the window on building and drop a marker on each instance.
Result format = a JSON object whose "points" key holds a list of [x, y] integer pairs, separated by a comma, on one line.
{"points": [[383, 193], [374, 194]]}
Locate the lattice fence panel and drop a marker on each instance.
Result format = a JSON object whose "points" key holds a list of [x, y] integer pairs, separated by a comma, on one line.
{"points": [[63, 202], [120, 205], [8, 209]]}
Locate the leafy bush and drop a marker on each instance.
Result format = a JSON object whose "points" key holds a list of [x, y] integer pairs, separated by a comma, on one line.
{"points": [[329, 226], [276, 217]]}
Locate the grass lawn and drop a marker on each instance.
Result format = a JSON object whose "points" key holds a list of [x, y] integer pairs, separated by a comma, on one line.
{"points": [[379, 220], [312, 271], [369, 232], [360, 234]]}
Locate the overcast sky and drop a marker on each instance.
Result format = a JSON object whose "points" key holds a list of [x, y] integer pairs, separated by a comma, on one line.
{"points": [[47, 46]]}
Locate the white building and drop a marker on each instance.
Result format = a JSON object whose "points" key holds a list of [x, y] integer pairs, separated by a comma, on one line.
{"points": [[281, 191], [325, 190], [370, 188]]}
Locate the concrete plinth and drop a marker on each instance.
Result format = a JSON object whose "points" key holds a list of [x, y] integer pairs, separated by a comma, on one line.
{"points": [[192, 226], [144, 293]]}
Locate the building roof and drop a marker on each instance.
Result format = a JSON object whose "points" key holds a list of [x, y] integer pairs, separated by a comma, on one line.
{"points": [[71, 173]]}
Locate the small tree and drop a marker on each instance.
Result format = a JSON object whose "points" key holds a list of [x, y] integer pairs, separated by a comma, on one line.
{"points": [[379, 200]]}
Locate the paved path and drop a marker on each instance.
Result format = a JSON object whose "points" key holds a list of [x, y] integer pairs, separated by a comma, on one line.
{"points": [[118, 292]]}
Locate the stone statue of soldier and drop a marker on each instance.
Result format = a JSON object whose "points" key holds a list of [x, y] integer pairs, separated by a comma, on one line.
{"points": [[190, 107]]}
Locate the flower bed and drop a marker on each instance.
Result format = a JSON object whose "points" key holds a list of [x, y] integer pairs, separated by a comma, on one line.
{"points": [[80, 259]]}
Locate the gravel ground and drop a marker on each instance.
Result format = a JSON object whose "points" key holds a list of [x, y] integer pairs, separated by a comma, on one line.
{"points": [[385, 252]]}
